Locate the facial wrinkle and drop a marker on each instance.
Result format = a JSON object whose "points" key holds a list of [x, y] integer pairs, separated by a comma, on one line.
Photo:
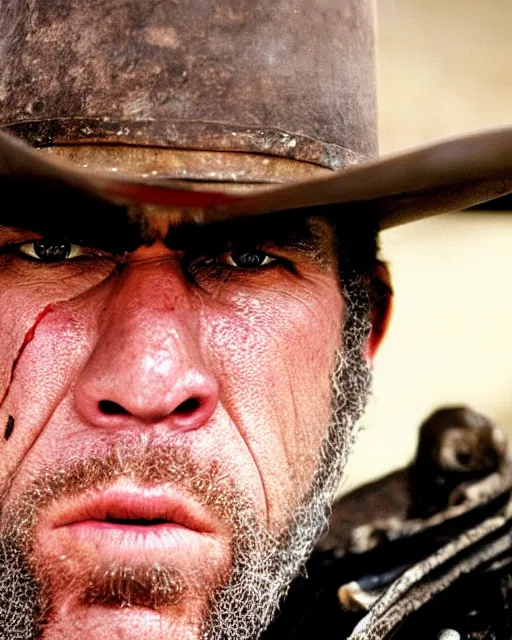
{"points": [[29, 336], [289, 458]]}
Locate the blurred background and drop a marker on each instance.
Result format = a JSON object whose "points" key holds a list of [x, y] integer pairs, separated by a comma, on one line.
{"points": [[444, 68]]}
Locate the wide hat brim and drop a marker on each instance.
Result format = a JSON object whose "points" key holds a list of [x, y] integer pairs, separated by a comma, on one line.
{"points": [[447, 176]]}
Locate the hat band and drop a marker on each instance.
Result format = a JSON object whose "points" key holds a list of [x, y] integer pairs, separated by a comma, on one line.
{"points": [[208, 136], [205, 166]]}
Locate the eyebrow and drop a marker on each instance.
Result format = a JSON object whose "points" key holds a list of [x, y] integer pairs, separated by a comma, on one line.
{"points": [[56, 211], [89, 221], [293, 231]]}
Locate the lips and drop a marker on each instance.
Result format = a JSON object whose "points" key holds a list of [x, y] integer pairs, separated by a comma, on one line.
{"points": [[127, 519], [132, 504]]}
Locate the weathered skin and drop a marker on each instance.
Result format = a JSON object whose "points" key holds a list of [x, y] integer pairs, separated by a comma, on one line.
{"points": [[252, 350]]}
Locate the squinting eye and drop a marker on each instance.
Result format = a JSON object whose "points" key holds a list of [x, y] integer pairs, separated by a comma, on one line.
{"points": [[51, 251], [249, 259]]}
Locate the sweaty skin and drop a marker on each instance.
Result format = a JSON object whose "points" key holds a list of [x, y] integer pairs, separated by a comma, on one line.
{"points": [[229, 365]]}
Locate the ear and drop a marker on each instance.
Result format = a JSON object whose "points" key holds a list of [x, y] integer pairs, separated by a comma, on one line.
{"points": [[382, 301]]}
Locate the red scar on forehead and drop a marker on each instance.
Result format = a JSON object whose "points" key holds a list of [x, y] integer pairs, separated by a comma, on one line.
{"points": [[28, 338]]}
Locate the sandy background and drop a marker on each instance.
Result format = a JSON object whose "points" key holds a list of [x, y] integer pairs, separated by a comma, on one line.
{"points": [[444, 68]]}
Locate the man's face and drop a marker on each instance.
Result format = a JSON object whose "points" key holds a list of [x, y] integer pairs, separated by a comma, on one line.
{"points": [[165, 411]]}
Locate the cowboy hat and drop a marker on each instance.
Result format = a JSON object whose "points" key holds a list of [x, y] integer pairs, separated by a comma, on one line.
{"points": [[215, 112]]}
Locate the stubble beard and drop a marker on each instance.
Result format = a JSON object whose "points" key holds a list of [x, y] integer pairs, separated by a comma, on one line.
{"points": [[263, 565]]}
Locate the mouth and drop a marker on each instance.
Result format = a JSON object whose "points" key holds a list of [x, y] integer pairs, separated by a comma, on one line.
{"points": [[127, 520]]}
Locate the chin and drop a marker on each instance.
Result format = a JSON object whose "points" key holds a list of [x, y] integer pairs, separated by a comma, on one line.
{"points": [[93, 592], [184, 622]]}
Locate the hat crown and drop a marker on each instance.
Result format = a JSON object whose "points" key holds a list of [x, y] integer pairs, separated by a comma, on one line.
{"points": [[291, 78]]}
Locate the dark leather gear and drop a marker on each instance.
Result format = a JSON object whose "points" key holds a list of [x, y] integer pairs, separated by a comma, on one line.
{"points": [[446, 576]]}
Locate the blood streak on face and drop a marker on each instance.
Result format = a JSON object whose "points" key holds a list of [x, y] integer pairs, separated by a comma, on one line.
{"points": [[28, 339]]}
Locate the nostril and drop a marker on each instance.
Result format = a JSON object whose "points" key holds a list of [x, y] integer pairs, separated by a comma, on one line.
{"points": [[110, 408], [188, 407]]}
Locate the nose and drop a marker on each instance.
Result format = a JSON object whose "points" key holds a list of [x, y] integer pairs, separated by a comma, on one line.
{"points": [[146, 366]]}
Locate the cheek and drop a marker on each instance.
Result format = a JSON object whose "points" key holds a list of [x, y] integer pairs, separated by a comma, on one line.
{"points": [[27, 295], [273, 356], [45, 346]]}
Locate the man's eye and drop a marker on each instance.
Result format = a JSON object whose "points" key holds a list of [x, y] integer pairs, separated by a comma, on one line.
{"points": [[248, 259], [51, 251]]}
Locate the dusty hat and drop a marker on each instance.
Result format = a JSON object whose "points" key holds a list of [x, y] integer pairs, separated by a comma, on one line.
{"points": [[215, 110]]}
